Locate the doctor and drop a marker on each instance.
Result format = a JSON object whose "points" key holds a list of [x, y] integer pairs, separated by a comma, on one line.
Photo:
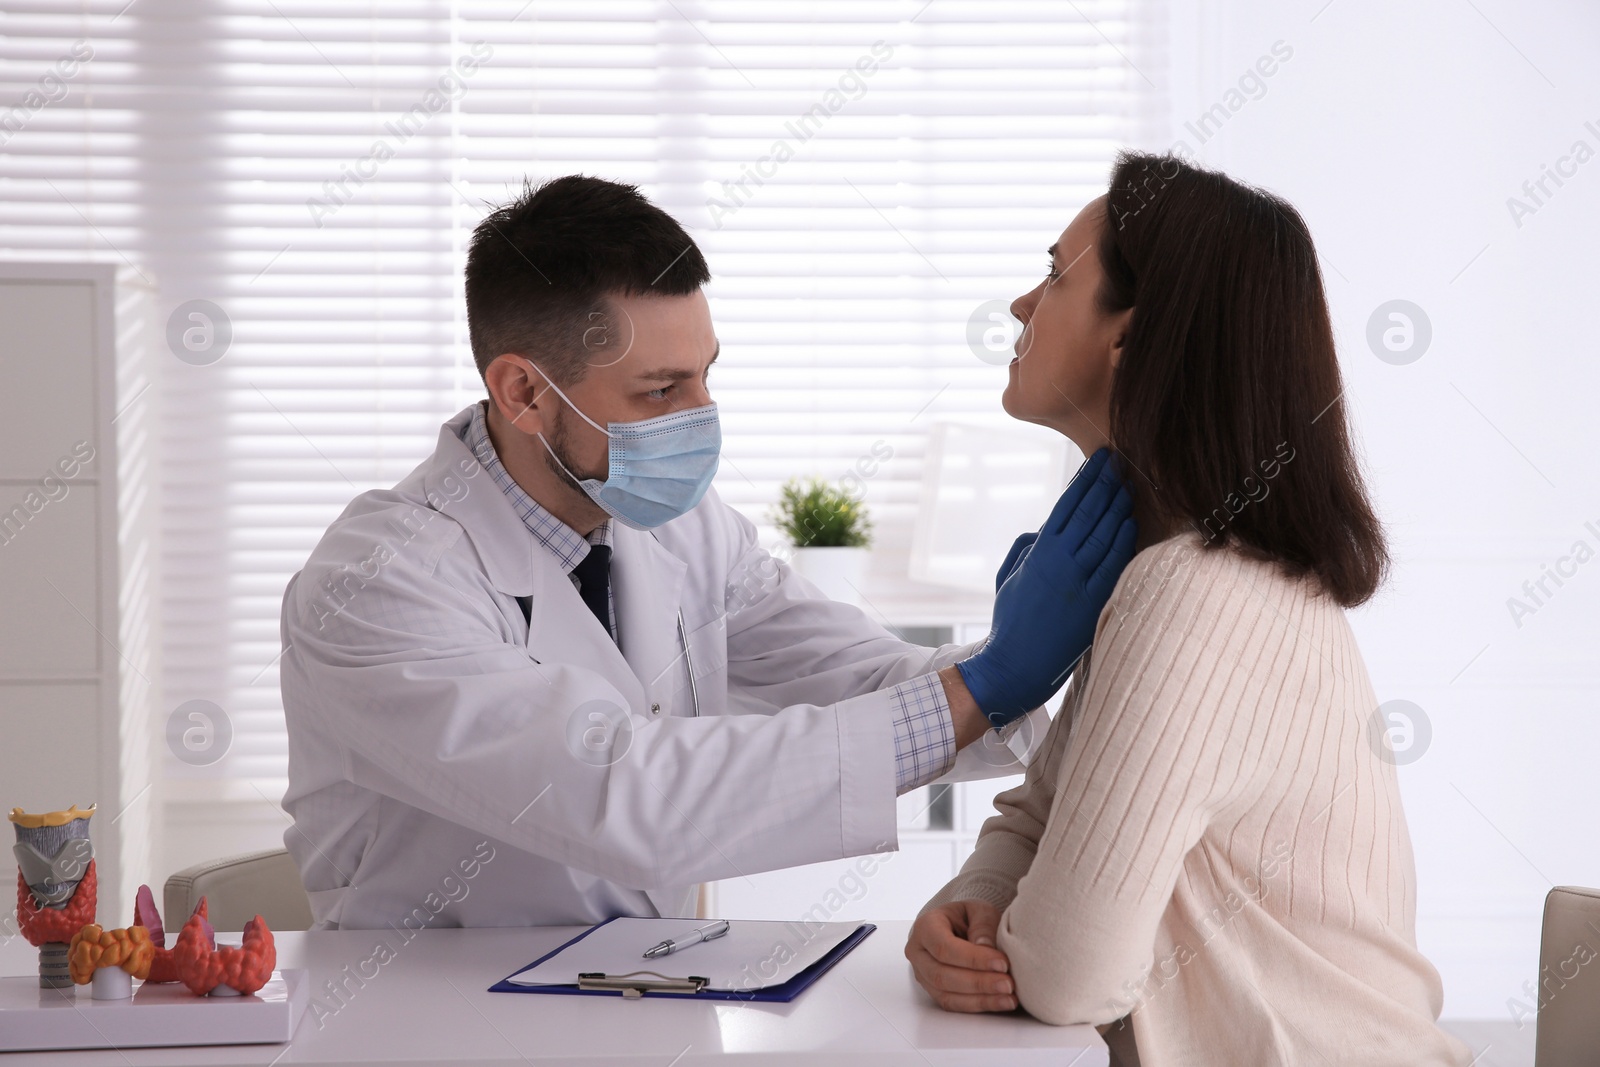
{"points": [[550, 677]]}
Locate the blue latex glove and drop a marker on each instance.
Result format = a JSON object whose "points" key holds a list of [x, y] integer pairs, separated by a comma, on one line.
{"points": [[1048, 604], [1014, 558]]}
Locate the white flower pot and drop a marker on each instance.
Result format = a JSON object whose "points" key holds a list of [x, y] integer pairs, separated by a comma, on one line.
{"points": [[837, 572]]}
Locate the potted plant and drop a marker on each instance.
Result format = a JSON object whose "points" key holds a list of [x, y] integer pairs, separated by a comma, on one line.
{"points": [[830, 532]]}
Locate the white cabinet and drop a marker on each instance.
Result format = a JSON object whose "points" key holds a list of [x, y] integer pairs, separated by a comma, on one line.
{"points": [[78, 659]]}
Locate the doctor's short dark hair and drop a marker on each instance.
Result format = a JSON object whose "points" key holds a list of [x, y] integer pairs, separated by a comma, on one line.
{"points": [[1227, 402], [541, 268]]}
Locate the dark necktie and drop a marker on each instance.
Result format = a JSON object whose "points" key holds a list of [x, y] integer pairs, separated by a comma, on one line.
{"points": [[594, 582]]}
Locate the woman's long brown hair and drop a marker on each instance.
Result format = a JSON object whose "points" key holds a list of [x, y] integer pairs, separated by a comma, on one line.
{"points": [[1227, 404]]}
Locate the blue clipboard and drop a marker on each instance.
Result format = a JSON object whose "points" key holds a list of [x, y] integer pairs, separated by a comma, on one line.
{"points": [[777, 994]]}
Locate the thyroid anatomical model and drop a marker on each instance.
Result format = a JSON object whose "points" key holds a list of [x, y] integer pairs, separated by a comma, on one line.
{"points": [[110, 959], [207, 969], [196, 961], [55, 885]]}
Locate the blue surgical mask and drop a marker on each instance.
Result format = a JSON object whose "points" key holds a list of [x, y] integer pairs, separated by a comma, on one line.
{"points": [[659, 468]]}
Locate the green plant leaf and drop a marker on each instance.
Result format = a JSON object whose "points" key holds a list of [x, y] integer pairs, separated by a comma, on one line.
{"points": [[813, 513]]}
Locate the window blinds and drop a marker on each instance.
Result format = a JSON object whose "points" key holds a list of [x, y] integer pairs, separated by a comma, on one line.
{"points": [[300, 178]]}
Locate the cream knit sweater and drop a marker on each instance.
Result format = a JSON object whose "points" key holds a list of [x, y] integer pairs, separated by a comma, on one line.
{"points": [[1209, 846]]}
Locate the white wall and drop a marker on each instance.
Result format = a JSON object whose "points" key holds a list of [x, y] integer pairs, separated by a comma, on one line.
{"points": [[1400, 131]]}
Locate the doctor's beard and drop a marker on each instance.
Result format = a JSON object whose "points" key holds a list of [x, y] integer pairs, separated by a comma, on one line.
{"points": [[557, 440]]}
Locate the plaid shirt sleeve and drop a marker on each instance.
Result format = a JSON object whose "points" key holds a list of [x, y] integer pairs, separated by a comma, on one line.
{"points": [[924, 739]]}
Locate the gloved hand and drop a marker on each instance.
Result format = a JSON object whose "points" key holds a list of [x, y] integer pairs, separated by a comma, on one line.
{"points": [[1014, 558], [1048, 604]]}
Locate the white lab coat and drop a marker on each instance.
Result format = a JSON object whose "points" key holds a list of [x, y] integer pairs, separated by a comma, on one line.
{"points": [[443, 764]]}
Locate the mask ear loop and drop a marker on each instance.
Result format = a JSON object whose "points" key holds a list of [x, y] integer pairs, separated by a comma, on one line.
{"points": [[549, 385], [576, 480]]}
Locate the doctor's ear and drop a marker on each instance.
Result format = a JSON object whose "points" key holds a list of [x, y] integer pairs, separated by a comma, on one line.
{"points": [[517, 391]]}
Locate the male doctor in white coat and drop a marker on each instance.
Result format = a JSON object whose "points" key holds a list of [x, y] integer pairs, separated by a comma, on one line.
{"points": [[550, 678]]}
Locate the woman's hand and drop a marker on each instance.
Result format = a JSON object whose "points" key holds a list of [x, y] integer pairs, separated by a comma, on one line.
{"points": [[952, 953]]}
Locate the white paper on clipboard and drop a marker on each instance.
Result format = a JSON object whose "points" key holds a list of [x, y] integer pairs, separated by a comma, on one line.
{"points": [[751, 955]]}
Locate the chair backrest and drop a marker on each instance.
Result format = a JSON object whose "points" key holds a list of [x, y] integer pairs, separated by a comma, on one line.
{"points": [[1568, 985], [237, 889]]}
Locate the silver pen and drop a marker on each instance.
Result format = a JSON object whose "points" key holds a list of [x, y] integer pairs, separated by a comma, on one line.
{"points": [[708, 932]]}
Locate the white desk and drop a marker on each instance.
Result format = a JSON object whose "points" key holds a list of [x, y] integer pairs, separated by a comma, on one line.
{"points": [[429, 1005]]}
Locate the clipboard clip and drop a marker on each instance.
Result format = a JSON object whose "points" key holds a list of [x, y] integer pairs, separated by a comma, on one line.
{"points": [[632, 985]]}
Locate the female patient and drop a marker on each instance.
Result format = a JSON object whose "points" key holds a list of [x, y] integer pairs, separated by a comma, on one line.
{"points": [[1208, 857]]}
